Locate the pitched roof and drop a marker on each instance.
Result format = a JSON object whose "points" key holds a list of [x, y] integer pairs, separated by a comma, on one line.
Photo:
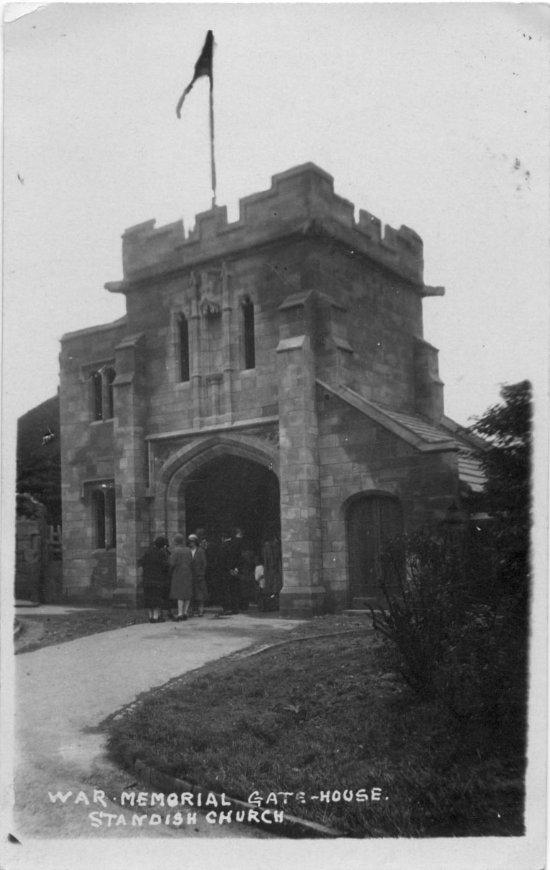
{"points": [[425, 430], [420, 433]]}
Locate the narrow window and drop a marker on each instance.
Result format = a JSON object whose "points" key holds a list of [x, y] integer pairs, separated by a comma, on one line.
{"points": [[109, 376], [248, 334], [183, 344], [98, 513], [110, 519], [104, 517], [97, 395]]}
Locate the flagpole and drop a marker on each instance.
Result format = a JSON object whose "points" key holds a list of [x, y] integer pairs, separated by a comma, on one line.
{"points": [[212, 159], [205, 67]]}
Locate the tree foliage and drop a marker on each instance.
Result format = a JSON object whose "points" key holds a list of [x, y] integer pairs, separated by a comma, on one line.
{"points": [[40, 476], [38, 457], [449, 636], [454, 606], [507, 465]]}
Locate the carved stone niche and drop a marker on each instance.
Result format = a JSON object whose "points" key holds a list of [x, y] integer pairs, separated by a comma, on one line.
{"points": [[210, 294]]}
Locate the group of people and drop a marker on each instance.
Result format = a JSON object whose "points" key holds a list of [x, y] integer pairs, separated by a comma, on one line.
{"points": [[176, 574], [192, 572]]}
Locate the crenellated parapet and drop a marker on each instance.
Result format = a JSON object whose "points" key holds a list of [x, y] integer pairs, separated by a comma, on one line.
{"points": [[300, 201]]}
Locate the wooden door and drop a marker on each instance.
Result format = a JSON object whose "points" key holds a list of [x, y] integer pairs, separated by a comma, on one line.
{"points": [[372, 520]]}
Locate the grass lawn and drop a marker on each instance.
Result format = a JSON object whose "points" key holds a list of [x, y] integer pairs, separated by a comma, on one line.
{"points": [[42, 630], [325, 715]]}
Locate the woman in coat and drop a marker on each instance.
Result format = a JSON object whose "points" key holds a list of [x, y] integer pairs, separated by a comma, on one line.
{"points": [[198, 572], [181, 580], [155, 577]]}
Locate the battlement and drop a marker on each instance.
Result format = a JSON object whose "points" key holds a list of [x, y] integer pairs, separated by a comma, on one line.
{"points": [[300, 200]]}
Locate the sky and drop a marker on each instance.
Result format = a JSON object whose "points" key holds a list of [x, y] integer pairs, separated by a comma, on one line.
{"points": [[434, 116]]}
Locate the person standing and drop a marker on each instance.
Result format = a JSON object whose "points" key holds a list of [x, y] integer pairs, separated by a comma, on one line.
{"points": [[246, 577], [204, 543], [198, 573], [271, 559], [233, 567], [154, 563], [259, 583], [181, 578], [215, 569]]}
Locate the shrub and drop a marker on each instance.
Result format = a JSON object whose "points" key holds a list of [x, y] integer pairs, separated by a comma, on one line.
{"points": [[506, 461], [456, 639]]}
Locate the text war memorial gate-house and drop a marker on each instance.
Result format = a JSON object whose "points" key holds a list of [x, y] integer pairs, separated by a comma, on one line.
{"points": [[269, 373]]}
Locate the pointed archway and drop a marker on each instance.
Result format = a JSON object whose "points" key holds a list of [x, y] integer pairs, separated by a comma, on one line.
{"points": [[221, 483], [186, 462]]}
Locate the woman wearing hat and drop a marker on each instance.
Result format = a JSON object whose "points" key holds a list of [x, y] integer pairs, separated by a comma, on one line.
{"points": [[155, 577], [181, 580], [198, 572]]}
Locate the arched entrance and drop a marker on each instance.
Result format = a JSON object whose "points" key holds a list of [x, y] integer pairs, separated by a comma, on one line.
{"points": [[186, 464], [221, 483], [225, 493], [228, 492], [372, 519]]}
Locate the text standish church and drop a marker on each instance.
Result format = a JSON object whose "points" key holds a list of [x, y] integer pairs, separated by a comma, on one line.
{"points": [[269, 373]]}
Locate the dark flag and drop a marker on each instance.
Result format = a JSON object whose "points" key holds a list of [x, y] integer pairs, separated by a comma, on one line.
{"points": [[203, 67]]}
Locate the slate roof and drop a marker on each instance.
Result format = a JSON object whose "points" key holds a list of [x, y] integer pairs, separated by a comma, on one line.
{"points": [[422, 434], [427, 431], [414, 430]]}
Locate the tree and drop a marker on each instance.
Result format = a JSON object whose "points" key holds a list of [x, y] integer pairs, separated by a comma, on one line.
{"points": [[507, 465], [39, 475], [39, 457], [455, 634]]}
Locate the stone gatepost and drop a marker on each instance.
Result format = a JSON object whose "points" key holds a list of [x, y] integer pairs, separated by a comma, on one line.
{"points": [[302, 591], [130, 466]]}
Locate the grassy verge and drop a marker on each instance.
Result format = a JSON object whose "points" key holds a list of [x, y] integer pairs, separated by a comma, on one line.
{"points": [[39, 631], [326, 716]]}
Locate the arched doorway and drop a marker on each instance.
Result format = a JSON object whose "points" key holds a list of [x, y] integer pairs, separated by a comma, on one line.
{"points": [[221, 482], [226, 492], [372, 519], [230, 491]]}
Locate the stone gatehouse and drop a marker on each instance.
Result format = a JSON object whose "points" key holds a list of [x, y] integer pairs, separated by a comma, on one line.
{"points": [[269, 373]]}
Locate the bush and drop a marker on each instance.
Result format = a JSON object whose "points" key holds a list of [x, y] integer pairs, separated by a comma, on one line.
{"points": [[455, 637], [506, 461]]}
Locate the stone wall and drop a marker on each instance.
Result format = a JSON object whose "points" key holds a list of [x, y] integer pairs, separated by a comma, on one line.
{"points": [[357, 456], [87, 452], [379, 322]]}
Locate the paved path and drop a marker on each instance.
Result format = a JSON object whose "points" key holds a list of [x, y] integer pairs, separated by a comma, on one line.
{"points": [[29, 608], [63, 690]]}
